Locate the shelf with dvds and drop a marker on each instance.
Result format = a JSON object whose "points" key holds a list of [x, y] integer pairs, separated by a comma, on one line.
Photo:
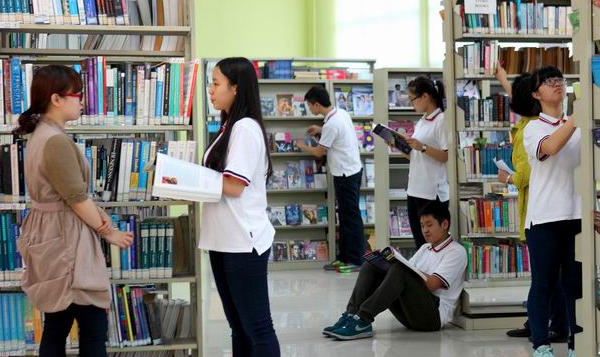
{"points": [[587, 249], [392, 108], [480, 123], [306, 229], [119, 136]]}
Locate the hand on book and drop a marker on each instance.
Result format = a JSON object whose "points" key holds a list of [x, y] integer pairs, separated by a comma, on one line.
{"points": [[414, 143], [314, 130], [500, 72], [502, 176], [120, 239]]}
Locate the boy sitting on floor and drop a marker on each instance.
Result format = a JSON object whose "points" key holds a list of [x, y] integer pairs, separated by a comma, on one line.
{"points": [[419, 305]]}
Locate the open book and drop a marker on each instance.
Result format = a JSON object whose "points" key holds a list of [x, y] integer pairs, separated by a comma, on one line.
{"points": [[183, 180], [384, 258], [501, 165], [392, 137]]}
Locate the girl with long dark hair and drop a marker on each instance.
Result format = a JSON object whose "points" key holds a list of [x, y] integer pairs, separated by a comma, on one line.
{"points": [[236, 230], [66, 272]]}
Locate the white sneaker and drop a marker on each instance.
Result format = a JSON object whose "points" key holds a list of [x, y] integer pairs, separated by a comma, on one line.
{"points": [[543, 351], [571, 353]]}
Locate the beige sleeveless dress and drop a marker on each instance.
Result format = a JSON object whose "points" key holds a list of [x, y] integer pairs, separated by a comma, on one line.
{"points": [[62, 254]]}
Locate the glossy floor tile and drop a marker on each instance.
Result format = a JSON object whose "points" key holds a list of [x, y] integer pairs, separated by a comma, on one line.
{"points": [[303, 302]]}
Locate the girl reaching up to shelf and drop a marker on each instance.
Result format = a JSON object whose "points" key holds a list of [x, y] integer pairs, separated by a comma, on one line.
{"points": [[66, 271], [552, 144], [519, 93]]}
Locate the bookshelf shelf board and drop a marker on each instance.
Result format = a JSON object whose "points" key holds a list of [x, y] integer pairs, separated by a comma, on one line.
{"points": [[367, 189], [487, 77], [114, 129], [145, 204], [177, 344], [405, 113], [491, 235], [298, 190], [533, 38], [297, 265], [502, 282], [398, 198], [397, 155], [301, 227], [290, 154], [405, 238], [286, 119], [175, 279], [108, 53], [399, 166], [75, 58], [292, 81], [99, 29], [481, 180], [362, 117], [487, 129], [367, 153], [352, 81]]}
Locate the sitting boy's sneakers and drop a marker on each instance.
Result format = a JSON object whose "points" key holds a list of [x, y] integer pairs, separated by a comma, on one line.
{"points": [[543, 351], [327, 330], [333, 265], [348, 268], [353, 329]]}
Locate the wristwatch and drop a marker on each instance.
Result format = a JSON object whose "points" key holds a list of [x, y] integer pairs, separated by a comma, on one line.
{"points": [[424, 148]]}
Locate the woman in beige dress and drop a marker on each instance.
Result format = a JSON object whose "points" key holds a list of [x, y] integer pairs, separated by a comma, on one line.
{"points": [[66, 271]]}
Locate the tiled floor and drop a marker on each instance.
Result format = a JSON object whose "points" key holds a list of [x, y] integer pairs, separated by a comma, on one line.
{"points": [[303, 302]]}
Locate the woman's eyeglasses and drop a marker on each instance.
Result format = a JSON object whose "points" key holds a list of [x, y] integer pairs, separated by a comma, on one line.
{"points": [[415, 98], [74, 95], [553, 82]]}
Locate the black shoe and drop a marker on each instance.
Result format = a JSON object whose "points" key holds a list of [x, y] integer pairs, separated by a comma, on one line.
{"points": [[519, 332], [556, 337]]}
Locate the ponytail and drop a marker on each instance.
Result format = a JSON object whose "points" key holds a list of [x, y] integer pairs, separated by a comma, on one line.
{"points": [[434, 88], [28, 121]]}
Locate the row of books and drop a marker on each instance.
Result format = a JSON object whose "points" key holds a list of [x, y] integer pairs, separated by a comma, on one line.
{"points": [[20, 324], [95, 12], [491, 215], [356, 100], [300, 174], [297, 215], [12, 176], [366, 204], [117, 94], [11, 262], [137, 317], [283, 141], [299, 250], [284, 105], [479, 161], [481, 58], [368, 179], [499, 261], [515, 17], [491, 112], [399, 222]]}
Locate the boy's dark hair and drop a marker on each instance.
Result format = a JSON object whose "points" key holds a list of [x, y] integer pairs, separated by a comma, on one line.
{"points": [[318, 94], [438, 210]]}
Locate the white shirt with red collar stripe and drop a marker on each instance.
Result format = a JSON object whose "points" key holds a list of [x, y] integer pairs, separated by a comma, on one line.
{"points": [[339, 138], [448, 262], [427, 177], [552, 194], [240, 224]]}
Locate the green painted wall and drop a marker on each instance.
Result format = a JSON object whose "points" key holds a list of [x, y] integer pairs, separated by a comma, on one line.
{"points": [[257, 28]]}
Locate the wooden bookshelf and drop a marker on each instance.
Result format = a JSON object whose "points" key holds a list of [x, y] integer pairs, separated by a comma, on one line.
{"points": [[98, 29]]}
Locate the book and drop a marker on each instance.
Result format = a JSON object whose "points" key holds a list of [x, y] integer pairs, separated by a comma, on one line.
{"points": [[277, 215], [280, 251], [362, 100], [179, 179], [383, 260], [284, 105], [267, 105], [309, 214], [296, 250], [392, 138], [293, 215]]}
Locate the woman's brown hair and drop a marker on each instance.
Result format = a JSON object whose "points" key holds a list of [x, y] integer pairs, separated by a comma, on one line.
{"points": [[46, 81]]}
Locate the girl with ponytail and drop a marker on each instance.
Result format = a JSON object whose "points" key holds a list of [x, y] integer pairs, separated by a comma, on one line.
{"points": [[427, 179], [66, 271]]}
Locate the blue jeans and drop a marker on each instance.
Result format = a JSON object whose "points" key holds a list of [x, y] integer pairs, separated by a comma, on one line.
{"points": [[241, 280], [552, 258]]}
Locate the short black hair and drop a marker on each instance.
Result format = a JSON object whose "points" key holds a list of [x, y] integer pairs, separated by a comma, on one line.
{"points": [[521, 101], [439, 211], [318, 94]]}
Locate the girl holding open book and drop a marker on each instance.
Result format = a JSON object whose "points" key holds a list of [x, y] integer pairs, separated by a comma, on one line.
{"points": [[553, 219], [427, 180], [66, 272], [236, 230]]}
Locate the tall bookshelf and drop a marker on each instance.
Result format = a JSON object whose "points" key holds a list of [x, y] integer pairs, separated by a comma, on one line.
{"points": [[488, 302], [188, 346], [392, 167], [587, 114], [296, 125]]}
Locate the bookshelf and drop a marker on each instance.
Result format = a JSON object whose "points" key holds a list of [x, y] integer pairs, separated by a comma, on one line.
{"points": [[587, 251], [392, 167], [9, 203], [296, 124], [486, 302]]}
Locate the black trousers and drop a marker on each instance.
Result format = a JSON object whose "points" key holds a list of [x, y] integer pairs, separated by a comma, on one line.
{"points": [[241, 280], [414, 206], [399, 290], [352, 236], [93, 326]]}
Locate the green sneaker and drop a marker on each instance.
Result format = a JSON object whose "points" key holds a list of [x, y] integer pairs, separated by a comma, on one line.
{"points": [[327, 330], [333, 265], [353, 329], [543, 351], [348, 268]]}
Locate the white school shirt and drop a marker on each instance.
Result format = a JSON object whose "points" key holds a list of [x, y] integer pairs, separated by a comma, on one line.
{"points": [[427, 177], [240, 224], [448, 262], [339, 138], [552, 194]]}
